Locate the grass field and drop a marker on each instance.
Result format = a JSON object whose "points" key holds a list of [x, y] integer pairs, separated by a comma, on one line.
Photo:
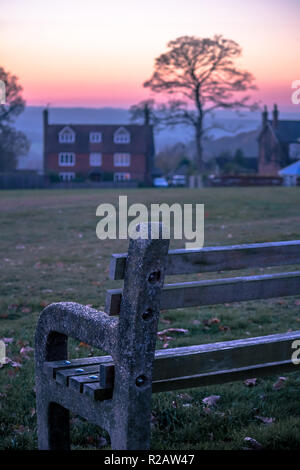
{"points": [[50, 252]]}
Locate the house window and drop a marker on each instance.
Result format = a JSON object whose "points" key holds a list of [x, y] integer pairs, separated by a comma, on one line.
{"points": [[95, 137], [66, 159], [66, 135], [121, 177], [122, 136], [95, 159], [122, 159], [67, 176]]}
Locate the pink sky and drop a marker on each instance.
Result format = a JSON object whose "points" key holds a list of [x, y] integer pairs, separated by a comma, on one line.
{"points": [[97, 53]]}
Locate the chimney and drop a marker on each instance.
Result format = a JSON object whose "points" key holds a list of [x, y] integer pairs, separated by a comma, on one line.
{"points": [[265, 116], [45, 117], [275, 116]]}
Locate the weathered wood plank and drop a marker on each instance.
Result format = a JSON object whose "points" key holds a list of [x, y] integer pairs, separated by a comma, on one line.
{"points": [[96, 392], [63, 376], [220, 377], [220, 258], [202, 360], [51, 368], [76, 382], [217, 291], [199, 380]]}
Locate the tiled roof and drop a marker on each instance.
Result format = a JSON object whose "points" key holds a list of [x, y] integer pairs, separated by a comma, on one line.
{"points": [[141, 138], [287, 131]]}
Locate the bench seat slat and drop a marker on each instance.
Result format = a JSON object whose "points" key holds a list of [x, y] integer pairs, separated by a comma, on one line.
{"points": [[205, 364], [211, 358], [63, 376], [220, 258], [53, 367], [217, 291], [210, 378]]}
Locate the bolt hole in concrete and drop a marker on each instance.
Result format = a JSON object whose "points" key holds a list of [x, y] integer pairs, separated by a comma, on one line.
{"points": [[141, 380], [154, 277], [147, 315]]}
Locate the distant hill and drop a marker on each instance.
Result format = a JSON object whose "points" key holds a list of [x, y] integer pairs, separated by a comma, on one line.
{"points": [[246, 141]]}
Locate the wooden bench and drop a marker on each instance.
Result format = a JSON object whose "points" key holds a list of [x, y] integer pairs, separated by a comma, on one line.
{"points": [[114, 391]]}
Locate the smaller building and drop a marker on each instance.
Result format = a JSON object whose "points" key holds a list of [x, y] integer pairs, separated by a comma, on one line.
{"points": [[99, 152], [291, 174], [279, 143]]}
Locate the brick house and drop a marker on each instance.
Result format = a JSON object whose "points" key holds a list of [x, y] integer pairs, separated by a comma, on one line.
{"points": [[279, 143], [96, 151]]}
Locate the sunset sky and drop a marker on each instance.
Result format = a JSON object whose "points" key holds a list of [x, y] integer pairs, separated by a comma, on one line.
{"points": [[99, 53]]}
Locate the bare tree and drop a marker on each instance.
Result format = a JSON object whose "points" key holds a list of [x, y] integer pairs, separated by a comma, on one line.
{"points": [[201, 75], [144, 112], [12, 143]]}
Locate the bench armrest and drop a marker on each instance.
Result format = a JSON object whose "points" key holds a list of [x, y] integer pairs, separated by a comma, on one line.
{"points": [[63, 319]]}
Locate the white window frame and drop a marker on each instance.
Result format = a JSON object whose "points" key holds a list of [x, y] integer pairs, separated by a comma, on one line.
{"points": [[122, 159], [122, 136], [67, 176], [95, 156], [66, 136], [95, 137], [66, 159], [121, 177]]}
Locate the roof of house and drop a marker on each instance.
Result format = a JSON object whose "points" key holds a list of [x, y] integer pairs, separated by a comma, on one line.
{"points": [[141, 138], [291, 170], [287, 131]]}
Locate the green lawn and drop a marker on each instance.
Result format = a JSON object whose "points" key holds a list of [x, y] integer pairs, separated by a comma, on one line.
{"points": [[50, 252]]}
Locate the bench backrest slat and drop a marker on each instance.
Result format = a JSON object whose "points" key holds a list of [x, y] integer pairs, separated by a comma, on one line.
{"points": [[221, 258], [217, 291]]}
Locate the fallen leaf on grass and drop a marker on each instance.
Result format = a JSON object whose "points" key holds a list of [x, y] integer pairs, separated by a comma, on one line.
{"points": [[224, 328], [211, 400], [184, 396], [15, 364], [8, 340], [211, 321], [25, 350], [172, 330], [26, 310], [84, 345], [254, 445], [297, 302], [265, 420], [250, 382], [280, 383]]}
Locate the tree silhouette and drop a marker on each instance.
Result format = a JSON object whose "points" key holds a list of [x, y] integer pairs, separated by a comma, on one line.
{"points": [[201, 75], [12, 143], [144, 112]]}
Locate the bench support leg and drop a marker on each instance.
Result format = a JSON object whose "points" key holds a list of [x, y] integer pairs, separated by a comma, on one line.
{"points": [[137, 329], [53, 425]]}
